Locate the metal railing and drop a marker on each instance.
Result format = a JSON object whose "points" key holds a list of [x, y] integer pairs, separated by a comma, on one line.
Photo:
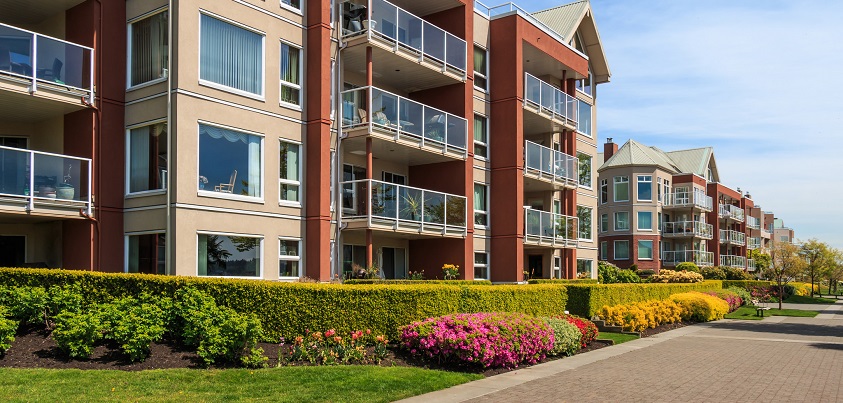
{"points": [[750, 264], [753, 222], [731, 212], [549, 99], [733, 261], [404, 118], [404, 206], [700, 258], [697, 198], [753, 243], [687, 228], [555, 165], [395, 25], [43, 60], [732, 237], [45, 178], [546, 227]]}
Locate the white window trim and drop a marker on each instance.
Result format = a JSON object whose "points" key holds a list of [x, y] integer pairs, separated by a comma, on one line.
{"points": [[638, 221], [486, 144], [591, 105], [590, 266], [287, 203], [557, 266], [485, 212], [591, 174], [129, 86], [615, 250], [292, 9], [615, 182], [221, 87], [604, 228], [592, 224], [487, 265], [289, 258], [638, 181], [652, 249], [604, 182], [627, 221], [141, 233], [482, 75], [298, 86], [126, 191], [230, 196], [230, 234], [604, 253]]}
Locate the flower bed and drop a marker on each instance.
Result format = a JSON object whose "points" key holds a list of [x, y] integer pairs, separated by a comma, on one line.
{"points": [[731, 298]]}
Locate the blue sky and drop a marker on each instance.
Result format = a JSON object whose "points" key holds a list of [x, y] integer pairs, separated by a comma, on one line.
{"points": [[759, 80]]}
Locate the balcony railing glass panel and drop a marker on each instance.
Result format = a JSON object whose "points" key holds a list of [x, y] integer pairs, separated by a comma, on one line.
{"points": [[733, 261], [551, 99], [683, 199], [555, 164], [700, 258], [547, 226], [37, 176], [732, 237], [688, 228]]}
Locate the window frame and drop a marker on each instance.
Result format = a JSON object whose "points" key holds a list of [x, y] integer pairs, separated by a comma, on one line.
{"points": [[557, 267], [299, 183], [231, 196], [150, 14], [299, 86], [230, 234], [590, 185], [126, 236], [590, 226], [485, 135], [615, 249], [652, 245], [128, 161], [604, 222], [604, 191], [638, 221], [298, 258], [604, 250], [223, 87], [616, 220], [482, 212], [590, 266], [299, 10], [619, 180], [485, 266], [482, 75], [639, 182]]}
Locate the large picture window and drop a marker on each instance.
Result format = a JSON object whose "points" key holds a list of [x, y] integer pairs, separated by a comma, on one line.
{"points": [[290, 173], [289, 258], [290, 74], [230, 161], [147, 158], [148, 49], [621, 250], [645, 188], [645, 249], [584, 217], [645, 220], [146, 253], [621, 189], [229, 255], [230, 55], [622, 221]]}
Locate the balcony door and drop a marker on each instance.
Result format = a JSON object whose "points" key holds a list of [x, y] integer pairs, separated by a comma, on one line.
{"points": [[534, 266], [12, 251], [393, 263], [350, 202], [14, 165]]}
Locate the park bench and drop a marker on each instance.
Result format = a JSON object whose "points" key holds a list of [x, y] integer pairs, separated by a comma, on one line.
{"points": [[759, 310]]}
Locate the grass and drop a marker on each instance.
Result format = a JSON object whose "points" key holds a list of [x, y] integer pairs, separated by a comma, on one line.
{"points": [[748, 313], [618, 338], [289, 384], [798, 299]]}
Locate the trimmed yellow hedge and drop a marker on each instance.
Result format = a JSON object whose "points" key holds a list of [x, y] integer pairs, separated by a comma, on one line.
{"points": [[561, 281], [642, 315], [289, 309], [700, 307], [746, 284], [393, 282], [587, 299]]}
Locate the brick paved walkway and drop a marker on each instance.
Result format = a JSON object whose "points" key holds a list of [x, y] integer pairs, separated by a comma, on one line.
{"points": [[777, 359]]}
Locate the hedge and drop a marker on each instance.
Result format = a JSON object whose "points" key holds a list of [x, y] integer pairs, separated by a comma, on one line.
{"points": [[449, 282], [745, 284], [290, 309], [561, 281], [588, 299]]}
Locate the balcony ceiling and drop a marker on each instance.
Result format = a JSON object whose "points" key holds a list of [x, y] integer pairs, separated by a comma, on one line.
{"points": [[19, 107], [540, 64], [425, 7], [394, 71], [394, 152], [22, 12]]}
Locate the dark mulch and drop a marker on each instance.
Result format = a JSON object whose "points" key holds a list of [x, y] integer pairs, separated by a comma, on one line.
{"points": [[664, 328]]}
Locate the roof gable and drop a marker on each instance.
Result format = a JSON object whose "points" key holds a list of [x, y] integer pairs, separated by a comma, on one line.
{"points": [[566, 20], [634, 153]]}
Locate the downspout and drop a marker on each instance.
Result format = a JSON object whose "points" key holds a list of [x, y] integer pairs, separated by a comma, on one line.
{"points": [[168, 240]]}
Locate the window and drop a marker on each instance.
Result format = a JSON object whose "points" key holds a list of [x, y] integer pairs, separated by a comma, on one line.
{"points": [[146, 253], [481, 266], [604, 250], [291, 75], [621, 188], [585, 169], [584, 217], [584, 118], [645, 188], [289, 258], [622, 221], [353, 255], [604, 222], [604, 191], [481, 136], [289, 181], [621, 250], [229, 255], [296, 4], [147, 158], [645, 250], [397, 179], [481, 70], [229, 161], [659, 191], [148, 49], [481, 207], [557, 206], [230, 56], [645, 220], [584, 268]]}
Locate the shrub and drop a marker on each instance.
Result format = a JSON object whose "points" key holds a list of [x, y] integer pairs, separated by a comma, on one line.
{"points": [[566, 336], [763, 293], [745, 284], [561, 281], [800, 289], [26, 304], [688, 266], [8, 328], [608, 273], [734, 273], [642, 315], [487, 339], [670, 276], [700, 307], [132, 324], [713, 273], [731, 298], [587, 300], [419, 281], [330, 348], [587, 328], [741, 292], [645, 272], [76, 333]]}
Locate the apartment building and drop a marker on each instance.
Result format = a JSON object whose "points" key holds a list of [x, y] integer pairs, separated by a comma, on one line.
{"points": [[659, 209], [278, 140]]}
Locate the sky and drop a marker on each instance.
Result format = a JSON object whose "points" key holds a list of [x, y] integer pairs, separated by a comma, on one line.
{"points": [[759, 80]]}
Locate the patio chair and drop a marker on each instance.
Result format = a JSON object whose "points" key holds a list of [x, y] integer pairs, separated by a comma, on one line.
{"points": [[51, 74], [227, 187]]}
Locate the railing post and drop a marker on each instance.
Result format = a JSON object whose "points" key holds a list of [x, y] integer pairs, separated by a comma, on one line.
{"points": [[90, 185], [369, 12], [31, 205], [34, 62], [92, 84]]}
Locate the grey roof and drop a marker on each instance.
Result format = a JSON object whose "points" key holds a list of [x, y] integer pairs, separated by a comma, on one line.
{"points": [[635, 153], [694, 160], [564, 19]]}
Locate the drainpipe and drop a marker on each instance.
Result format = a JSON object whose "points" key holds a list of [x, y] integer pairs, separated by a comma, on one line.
{"points": [[168, 239]]}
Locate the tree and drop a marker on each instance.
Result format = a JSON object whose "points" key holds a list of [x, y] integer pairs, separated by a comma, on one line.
{"points": [[819, 258], [835, 271], [786, 264], [761, 259]]}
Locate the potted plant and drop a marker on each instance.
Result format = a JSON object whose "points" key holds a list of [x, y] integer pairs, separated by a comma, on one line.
{"points": [[65, 190], [412, 206]]}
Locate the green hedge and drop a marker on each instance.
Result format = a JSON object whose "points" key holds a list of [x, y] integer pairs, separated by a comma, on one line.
{"points": [[289, 309], [448, 282], [561, 281], [745, 284], [587, 299]]}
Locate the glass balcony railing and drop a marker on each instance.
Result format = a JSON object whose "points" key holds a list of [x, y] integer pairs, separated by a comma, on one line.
{"points": [[402, 205], [697, 199], [700, 258], [688, 229], [39, 178], [386, 21], [753, 222], [404, 118], [753, 243], [550, 99], [732, 237], [733, 261], [58, 64], [731, 212], [555, 165], [750, 264], [547, 227]]}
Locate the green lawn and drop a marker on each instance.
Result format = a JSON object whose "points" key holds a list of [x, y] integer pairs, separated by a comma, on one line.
{"points": [[617, 337], [289, 384], [797, 299], [748, 313]]}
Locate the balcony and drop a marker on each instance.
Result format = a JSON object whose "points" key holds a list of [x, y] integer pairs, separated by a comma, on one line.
{"points": [[750, 264], [753, 222], [695, 200], [699, 258], [41, 76], [547, 169], [548, 103], [753, 243], [730, 237], [409, 211], [392, 30], [43, 184], [731, 212], [733, 261], [546, 229], [403, 130], [690, 229]]}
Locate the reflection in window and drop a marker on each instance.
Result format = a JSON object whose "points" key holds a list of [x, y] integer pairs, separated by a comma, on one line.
{"points": [[229, 161], [148, 49], [230, 55], [481, 266], [229, 256], [289, 258], [148, 158], [290, 181], [146, 254], [290, 74]]}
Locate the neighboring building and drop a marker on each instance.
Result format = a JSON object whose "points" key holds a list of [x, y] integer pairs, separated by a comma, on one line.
{"points": [[254, 139], [780, 233]]}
